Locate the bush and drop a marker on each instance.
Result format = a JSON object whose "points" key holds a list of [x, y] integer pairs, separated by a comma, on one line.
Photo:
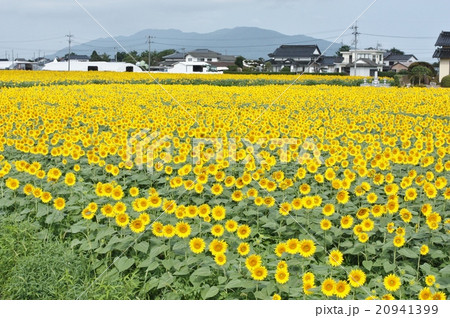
{"points": [[445, 81]]}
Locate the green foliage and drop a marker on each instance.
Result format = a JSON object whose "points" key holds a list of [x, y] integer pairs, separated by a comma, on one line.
{"points": [[420, 73], [445, 81], [425, 64], [239, 61], [343, 48]]}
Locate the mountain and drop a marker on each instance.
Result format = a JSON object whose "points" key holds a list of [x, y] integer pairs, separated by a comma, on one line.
{"points": [[250, 42]]}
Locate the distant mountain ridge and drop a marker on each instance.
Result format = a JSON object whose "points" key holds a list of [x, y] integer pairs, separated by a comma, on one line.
{"points": [[250, 42]]}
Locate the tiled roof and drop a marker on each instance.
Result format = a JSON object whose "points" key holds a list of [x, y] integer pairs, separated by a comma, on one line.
{"points": [[368, 62], [398, 57], [442, 53], [443, 39], [296, 51]]}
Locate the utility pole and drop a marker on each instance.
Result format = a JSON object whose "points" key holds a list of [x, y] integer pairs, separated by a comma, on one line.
{"points": [[149, 40], [115, 49], [355, 33], [70, 53]]}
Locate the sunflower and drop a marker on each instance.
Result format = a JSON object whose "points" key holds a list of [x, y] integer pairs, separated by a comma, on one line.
{"points": [[387, 297], [425, 294], [231, 226], [87, 214], [367, 225], [204, 210], [217, 230], [59, 203], [243, 231], [307, 288], [182, 229], [280, 249], [46, 197], [328, 287], [169, 230], [392, 282], [424, 250], [169, 206], [285, 208], [259, 273], [119, 207], [297, 204], [325, 224], [346, 221], [372, 198], [157, 229], [197, 245], [439, 296], [28, 189], [220, 259], [217, 247], [282, 276], [357, 278], [335, 258], [282, 265], [12, 183], [308, 277], [253, 261], [307, 248], [70, 179], [410, 194], [405, 215], [276, 297], [342, 196], [328, 209], [363, 237], [145, 218], [137, 226], [399, 241], [292, 246], [430, 280], [218, 213], [342, 289], [216, 189], [122, 219], [108, 211], [243, 249]]}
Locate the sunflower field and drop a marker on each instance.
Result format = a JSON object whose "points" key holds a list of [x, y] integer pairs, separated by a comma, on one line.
{"points": [[113, 188]]}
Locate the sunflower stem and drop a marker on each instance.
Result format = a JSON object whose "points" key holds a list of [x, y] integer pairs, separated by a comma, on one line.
{"points": [[417, 271]]}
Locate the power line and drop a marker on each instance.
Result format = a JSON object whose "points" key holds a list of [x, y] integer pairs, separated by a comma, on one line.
{"points": [[400, 36]]}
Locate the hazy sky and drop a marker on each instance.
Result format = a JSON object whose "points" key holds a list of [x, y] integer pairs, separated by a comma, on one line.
{"points": [[411, 25]]}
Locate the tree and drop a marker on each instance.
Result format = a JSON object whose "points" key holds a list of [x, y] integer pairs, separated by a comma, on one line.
{"points": [[396, 51], [343, 48], [239, 61], [268, 67], [105, 57], [95, 57], [426, 64], [420, 72], [131, 57]]}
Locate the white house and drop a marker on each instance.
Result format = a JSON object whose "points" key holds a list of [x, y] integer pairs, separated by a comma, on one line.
{"points": [[443, 54], [367, 62], [190, 67], [91, 66], [216, 61]]}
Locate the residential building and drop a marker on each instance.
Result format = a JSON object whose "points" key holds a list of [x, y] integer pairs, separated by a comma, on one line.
{"points": [[91, 66], [215, 60], [328, 64], [443, 54], [400, 60], [367, 62], [297, 58]]}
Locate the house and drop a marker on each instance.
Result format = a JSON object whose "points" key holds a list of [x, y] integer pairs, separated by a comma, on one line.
{"points": [[397, 67], [367, 62], [91, 66], [18, 64], [328, 64], [297, 58], [402, 59], [443, 54], [190, 67], [215, 60]]}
